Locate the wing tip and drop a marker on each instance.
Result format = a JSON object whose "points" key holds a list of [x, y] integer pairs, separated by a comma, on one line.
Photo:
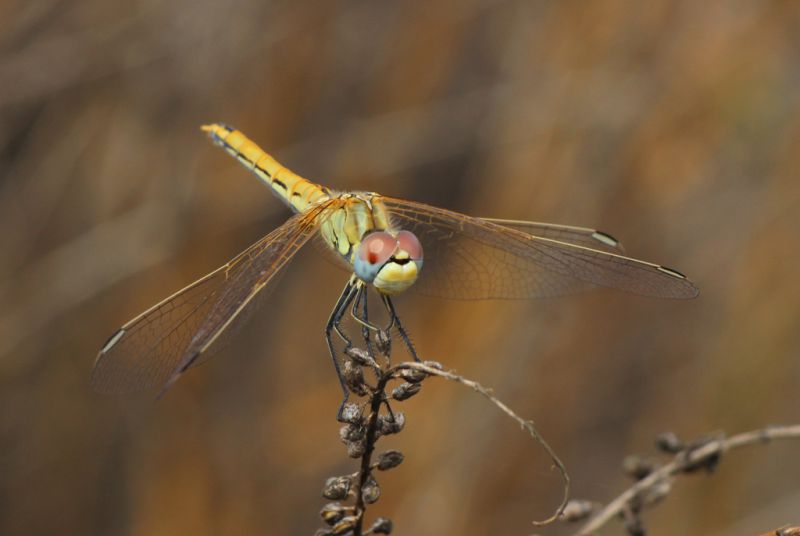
{"points": [[688, 289], [111, 341], [96, 377], [98, 380], [694, 290]]}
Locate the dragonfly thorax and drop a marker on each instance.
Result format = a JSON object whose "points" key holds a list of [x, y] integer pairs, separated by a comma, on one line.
{"points": [[390, 262]]}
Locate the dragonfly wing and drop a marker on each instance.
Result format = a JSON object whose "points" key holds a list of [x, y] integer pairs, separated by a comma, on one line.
{"points": [[472, 258], [329, 254], [156, 347], [580, 236]]}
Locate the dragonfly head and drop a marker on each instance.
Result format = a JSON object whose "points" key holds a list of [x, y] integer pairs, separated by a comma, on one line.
{"points": [[390, 263]]}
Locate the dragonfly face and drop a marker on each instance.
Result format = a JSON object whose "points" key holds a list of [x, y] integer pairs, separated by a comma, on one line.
{"points": [[381, 240], [390, 263]]}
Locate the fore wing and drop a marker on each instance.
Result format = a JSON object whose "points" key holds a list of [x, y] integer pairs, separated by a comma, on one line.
{"points": [[157, 346], [579, 236], [473, 258]]}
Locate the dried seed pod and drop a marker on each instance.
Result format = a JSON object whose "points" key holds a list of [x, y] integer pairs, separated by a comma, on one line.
{"points": [[637, 467], [352, 414], [708, 463], [336, 488], [371, 492], [388, 425], [352, 432], [633, 522], [332, 513], [670, 443], [356, 449], [390, 459], [382, 525], [353, 376], [345, 526], [657, 492], [577, 510], [405, 391], [360, 356], [413, 375], [384, 342]]}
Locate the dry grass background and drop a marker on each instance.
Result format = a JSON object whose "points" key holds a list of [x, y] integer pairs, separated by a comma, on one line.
{"points": [[673, 125]]}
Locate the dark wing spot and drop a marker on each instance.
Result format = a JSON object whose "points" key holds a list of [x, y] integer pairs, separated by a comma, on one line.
{"points": [[112, 340], [605, 238]]}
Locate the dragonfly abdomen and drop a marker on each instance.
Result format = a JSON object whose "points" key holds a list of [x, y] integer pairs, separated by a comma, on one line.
{"points": [[294, 190]]}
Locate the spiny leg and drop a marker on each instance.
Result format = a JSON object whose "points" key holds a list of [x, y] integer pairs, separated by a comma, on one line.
{"points": [[355, 289], [363, 318], [395, 321], [349, 292]]}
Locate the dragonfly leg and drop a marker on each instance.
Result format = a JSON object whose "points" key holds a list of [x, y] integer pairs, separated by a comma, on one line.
{"points": [[363, 317], [341, 308], [395, 321], [348, 294]]}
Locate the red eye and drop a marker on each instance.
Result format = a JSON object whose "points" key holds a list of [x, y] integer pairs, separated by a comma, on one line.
{"points": [[376, 248], [409, 243]]}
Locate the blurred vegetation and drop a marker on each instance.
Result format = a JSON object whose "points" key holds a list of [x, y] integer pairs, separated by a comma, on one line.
{"points": [[673, 125]]}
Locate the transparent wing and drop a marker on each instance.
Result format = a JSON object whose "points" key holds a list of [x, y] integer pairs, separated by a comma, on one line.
{"points": [[472, 258], [327, 253], [579, 236], [156, 347]]}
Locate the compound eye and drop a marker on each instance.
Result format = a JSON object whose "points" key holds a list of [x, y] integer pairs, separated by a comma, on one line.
{"points": [[376, 248], [410, 244]]}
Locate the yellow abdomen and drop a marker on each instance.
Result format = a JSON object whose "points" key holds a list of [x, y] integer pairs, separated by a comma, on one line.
{"points": [[296, 191]]}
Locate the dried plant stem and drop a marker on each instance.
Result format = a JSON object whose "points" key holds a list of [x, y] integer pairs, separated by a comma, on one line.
{"points": [[377, 398], [525, 425], [362, 431], [685, 461]]}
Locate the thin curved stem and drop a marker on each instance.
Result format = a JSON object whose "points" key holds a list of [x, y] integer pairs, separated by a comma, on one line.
{"points": [[525, 425], [683, 461]]}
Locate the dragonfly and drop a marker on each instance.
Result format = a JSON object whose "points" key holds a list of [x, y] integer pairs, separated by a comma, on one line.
{"points": [[388, 244]]}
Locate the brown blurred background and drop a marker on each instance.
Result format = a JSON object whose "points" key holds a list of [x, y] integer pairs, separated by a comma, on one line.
{"points": [[673, 125]]}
